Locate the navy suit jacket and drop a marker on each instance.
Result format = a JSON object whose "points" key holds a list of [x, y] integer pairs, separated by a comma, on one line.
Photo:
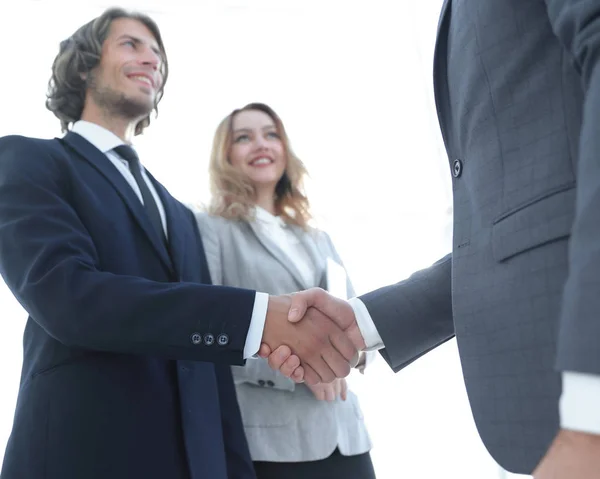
{"points": [[120, 376]]}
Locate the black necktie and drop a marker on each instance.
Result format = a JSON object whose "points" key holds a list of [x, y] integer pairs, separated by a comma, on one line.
{"points": [[128, 154]]}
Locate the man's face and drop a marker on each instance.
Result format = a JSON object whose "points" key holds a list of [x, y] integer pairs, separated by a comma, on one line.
{"points": [[127, 79]]}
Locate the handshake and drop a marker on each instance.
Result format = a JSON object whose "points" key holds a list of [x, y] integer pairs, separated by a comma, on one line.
{"points": [[311, 336]]}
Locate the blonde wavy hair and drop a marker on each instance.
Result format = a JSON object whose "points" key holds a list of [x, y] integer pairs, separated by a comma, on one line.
{"points": [[233, 193]]}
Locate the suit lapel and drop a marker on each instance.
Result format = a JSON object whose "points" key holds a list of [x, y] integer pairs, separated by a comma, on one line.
{"points": [[276, 252], [440, 60], [99, 161], [312, 248]]}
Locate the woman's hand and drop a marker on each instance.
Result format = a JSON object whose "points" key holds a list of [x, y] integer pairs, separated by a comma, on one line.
{"points": [[330, 391]]}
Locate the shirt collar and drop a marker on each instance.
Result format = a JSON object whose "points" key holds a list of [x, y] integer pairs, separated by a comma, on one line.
{"points": [[97, 135], [266, 217]]}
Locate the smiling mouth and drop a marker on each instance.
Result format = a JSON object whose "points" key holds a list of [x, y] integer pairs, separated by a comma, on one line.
{"points": [[142, 79], [261, 161]]}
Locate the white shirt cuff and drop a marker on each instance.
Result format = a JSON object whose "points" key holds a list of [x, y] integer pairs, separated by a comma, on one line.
{"points": [[369, 358], [257, 325], [366, 326], [580, 402]]}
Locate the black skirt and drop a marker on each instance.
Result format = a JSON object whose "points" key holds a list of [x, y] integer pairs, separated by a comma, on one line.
{"points": [[335, 466]]}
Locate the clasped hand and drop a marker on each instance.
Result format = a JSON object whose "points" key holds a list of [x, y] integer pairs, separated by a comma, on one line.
{"points": [[311, 336], [330, 391]]}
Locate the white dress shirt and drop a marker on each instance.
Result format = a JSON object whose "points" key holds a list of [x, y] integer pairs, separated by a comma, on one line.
{"points": [[277, 230], [580, 400], [106, 141]]}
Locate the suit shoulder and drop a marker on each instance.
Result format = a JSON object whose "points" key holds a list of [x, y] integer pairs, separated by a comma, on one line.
{"points": [[326, 244], [35, 156], [27, 142], [30, 148], [319, 235], [204, 219]]}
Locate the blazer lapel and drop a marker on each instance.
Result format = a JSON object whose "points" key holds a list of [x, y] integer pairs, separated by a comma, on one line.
{"points": [[99, 161], [440, 60], [316, 255], [277, 252]]}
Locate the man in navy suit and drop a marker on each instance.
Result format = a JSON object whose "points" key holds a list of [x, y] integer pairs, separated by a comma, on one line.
{"points": [[126, 353]]}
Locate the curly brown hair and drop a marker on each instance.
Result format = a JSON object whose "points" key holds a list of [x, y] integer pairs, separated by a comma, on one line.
{"points": [[79, 54], [232, 192]]}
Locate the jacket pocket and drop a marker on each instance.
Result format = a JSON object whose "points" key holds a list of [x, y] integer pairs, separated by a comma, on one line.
{"points": [[542, 220], [262, 407]]}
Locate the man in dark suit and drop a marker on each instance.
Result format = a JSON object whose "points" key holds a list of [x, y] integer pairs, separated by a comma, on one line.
{"points": [[517, 86], [109, 267]]}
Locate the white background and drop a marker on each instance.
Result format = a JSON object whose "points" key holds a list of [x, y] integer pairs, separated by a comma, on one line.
{"points": [[353, 86]]}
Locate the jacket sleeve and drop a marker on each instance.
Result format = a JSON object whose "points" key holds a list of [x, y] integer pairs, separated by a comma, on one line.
{"points": [[413, 316], [50, 262]]}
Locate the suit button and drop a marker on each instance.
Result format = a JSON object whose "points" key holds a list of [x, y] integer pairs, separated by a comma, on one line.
{"points": [[222, 339], [270, 383], [209, 339], [457, 168], [261, 382], [196, 338]]}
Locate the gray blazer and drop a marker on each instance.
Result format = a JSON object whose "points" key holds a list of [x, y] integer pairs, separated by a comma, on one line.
{"points": [[520, 289], [283, 421]]}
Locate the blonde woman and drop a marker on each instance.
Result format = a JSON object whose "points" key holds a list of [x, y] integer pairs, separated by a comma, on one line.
{"points": [[256, 235]]}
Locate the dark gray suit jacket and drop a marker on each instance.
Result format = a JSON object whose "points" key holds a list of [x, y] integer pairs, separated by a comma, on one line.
{"points": [[517, 86]]}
